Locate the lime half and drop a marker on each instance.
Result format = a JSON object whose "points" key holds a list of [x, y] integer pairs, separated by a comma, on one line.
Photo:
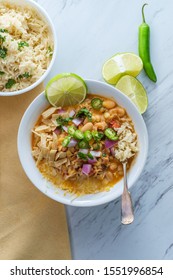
{"points": [[66, 89], [131, 87], [121, 64]]}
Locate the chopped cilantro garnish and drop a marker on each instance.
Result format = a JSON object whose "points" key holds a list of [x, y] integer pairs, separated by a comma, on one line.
{"points": [[62, 121], [104, 155], [3, 52], [25, 75], [82, 156], [2, 73], [10, 83], [84, 112], [2, 39], [22, 44], [50, 51], [3, 30]]}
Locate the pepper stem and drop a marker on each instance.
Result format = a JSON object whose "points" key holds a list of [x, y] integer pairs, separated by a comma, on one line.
{"points": [[143, 17]]}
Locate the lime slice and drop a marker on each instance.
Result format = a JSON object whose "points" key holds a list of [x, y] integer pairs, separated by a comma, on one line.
{"points": [[121, 64], [135, 91], [66, 89]]}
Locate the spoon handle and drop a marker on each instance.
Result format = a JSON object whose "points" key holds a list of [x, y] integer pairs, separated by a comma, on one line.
{"points": [[127, 215]]}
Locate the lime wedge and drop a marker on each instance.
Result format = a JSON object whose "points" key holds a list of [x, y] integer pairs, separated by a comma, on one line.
{"points": [[131, 87], [121, 64], [66, 89]]}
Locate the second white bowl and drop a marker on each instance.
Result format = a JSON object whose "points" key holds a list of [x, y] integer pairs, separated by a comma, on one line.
{"points": [[44, 15]]}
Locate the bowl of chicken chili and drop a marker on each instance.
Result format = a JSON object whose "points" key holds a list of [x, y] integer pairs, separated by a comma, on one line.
{"points": [[74, 154]]}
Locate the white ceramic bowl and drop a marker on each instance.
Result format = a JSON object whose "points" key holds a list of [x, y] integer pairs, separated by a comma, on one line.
{"points": [[44, 15], [24, 148]]}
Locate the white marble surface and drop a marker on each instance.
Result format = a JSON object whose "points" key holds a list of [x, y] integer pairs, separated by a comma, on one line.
{"points": [[89, 32]]}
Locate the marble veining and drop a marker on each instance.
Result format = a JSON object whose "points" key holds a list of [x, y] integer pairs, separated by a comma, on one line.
{"points": [[89, 32]]}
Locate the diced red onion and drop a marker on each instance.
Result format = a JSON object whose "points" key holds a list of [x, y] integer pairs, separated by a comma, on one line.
{"points": [[77, 121], [65, 128], [91, 161], [95, 154], [72, 113], [57, 131], [84, 151], [110, 143], [60, 111], [86, 169], [72, 143], [112, 151]]}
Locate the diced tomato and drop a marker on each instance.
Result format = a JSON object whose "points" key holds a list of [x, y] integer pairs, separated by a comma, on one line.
{"points": [[115, 124]]}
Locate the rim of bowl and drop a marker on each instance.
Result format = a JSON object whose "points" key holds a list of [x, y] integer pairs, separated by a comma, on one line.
{"points": [[87, 203], [45, 15]]}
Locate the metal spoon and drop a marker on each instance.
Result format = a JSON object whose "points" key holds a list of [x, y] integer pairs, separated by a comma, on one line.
{"points": [[127, 215]]}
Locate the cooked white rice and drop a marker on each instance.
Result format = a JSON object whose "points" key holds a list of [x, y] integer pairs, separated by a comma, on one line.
{"points": [[26, 47]]}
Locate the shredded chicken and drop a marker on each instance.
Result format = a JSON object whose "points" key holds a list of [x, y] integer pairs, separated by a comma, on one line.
{"points": [[42, 128], [46, 114]]}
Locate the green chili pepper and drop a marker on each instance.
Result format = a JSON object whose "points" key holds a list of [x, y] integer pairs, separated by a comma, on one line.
{"points": [[111, 134], [87, 135], [97, 135], [90, 156], [96, 103], [66, 141], [71, 130], [144, 48], [78, 134], [83, 145]]}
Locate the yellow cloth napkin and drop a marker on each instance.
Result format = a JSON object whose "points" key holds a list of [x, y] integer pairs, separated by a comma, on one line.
{"points": [[32, 226]]}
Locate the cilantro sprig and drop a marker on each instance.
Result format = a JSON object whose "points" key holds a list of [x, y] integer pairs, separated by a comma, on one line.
{"points": [[62, 121], [2, 30], [2, 39], [84, 112], [10, 83], [22, 44], [85, 156], [25, 75], [3, 52], [49, 51]]}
